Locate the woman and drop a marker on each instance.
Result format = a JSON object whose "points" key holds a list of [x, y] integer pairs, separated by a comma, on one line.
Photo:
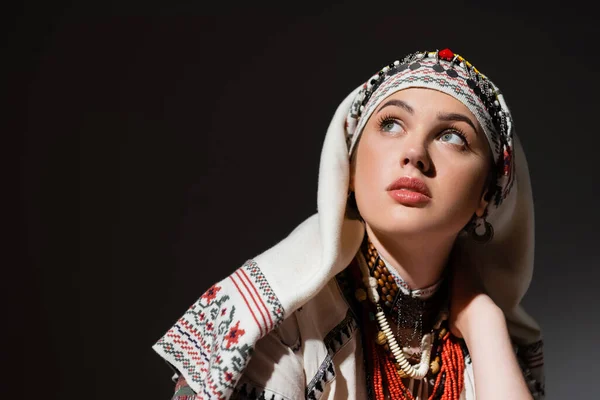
{"points": [[407, 282]]}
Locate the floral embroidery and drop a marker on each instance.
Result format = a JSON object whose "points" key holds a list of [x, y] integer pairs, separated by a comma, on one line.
{"points": [[211, 293], [211, 344], [234, 335]]}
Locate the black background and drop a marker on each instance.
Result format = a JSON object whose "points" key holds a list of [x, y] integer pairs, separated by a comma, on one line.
{"points": [[158, 147]]}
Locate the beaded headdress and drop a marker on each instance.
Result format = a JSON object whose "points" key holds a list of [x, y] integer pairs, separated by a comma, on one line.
{"points": [[449, 73]]}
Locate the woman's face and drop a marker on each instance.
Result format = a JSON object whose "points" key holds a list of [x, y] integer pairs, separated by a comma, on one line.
{"points": [[421, 165]]}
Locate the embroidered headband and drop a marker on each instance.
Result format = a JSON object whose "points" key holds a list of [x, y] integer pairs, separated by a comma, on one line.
{"points": [[449, 73]]}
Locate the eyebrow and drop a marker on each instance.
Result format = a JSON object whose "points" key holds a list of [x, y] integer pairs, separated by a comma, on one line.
{"points": [[398, 103], [457, 117], [441, 116]]}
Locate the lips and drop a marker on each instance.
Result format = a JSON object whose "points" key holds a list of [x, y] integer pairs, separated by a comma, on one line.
{"points": [[410, 184], [410, 192]]}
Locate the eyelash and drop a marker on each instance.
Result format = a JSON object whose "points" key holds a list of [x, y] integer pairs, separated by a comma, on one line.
{"points": [[387, 118], [459, 132]]}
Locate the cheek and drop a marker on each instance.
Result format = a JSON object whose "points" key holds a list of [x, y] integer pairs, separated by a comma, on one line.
{"points": [[366, 170], [462, 183], [370, 173]]}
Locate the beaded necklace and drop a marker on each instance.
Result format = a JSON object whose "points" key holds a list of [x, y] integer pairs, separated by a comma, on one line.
{"points": [[408, 308], [388, 360]]}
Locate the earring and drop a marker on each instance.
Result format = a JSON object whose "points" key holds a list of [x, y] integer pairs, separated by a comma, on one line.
{"points": [[481, 230]]}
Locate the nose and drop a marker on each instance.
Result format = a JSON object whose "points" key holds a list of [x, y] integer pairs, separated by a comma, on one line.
{"points": [[415, 153]]}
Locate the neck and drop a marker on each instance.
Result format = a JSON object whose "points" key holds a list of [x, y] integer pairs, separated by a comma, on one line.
{"points": [[419, 260]]}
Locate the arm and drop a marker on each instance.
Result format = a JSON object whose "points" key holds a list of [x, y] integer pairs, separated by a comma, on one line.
{"points": [[475, 317], [495, 366]]}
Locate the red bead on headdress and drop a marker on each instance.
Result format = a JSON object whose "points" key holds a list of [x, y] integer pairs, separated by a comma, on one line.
{"points": [[446, 54]]}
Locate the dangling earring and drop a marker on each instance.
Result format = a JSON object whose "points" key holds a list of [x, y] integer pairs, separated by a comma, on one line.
{"points": [[481, 230]]}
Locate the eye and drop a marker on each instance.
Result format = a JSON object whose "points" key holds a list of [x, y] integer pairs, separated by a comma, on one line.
{"points": [[453, 137], [390, 125]]}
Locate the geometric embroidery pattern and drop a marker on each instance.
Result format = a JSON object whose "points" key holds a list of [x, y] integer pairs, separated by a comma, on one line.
{"points": [[249, 391], [333, 341], [532, 354], [457, 85], [211, 344], [531, 361], [267, 294]]}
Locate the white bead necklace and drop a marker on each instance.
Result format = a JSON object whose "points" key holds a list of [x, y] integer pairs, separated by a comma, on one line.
{"points": [[419, 370]]}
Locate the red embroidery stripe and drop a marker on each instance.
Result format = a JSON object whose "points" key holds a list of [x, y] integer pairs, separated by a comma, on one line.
{"points": [[213, 387], [247, 304], [189, 328], [262, 302], [241, 278]]}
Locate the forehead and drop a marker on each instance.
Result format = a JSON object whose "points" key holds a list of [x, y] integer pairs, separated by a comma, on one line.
{"points": [[425, 100]]}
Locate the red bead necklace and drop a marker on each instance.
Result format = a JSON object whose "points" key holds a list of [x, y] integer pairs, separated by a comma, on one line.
{"points": [[385, 374]]}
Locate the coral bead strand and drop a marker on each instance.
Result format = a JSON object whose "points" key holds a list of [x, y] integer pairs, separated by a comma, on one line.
{"points": [[448, 392], [452, 368], [457, 358], [377, 381], [399, 390], [454, 362], [461, 368], [437, 384]]}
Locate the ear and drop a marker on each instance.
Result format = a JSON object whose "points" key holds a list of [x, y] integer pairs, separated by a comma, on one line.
{"points": [[483, 203]]}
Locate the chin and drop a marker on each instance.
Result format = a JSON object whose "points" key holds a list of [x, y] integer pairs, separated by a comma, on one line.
{"points": [[405, 225], [412, 221]]}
